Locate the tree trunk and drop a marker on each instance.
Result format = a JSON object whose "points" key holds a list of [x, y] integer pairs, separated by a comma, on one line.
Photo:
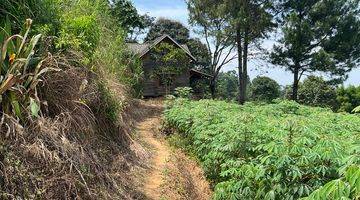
{"points": [[213, 88], [244, 72], [295, 83], [240, 64]]}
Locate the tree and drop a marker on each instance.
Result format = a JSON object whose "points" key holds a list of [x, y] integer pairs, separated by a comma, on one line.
{"points": [[227, 85], [201, 54], [129, 18], [315, 91], [264, 89], [215, 29], [174, 29], [318, 36], [252, 20], [170, 62], [348, 98]]}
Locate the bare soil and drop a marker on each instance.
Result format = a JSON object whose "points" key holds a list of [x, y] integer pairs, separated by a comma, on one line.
{"points": [[171, 174]]}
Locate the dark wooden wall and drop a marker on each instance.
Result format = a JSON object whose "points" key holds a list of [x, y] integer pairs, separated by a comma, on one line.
{"points": [[152, 86]]}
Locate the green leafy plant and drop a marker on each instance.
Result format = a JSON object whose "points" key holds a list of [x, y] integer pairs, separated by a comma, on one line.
{"points": [[356, 110], [20, 73], [184, 92], [346, 187], [269, 151]]}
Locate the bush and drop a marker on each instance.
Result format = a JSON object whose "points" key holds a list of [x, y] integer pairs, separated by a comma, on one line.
{"points": [[348, 98], [227, 85], [264, 89], [315, 91], [80, 28], [184, 92]]}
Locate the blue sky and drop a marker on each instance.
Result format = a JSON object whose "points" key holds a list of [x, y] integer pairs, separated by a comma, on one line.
{"points": [[176, 9]]}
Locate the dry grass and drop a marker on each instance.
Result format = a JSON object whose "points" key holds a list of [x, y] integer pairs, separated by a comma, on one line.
{"points": [[74, 151], [184, 179]]}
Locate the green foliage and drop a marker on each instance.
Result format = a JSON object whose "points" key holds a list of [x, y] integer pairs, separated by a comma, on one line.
{"points": [[80, 28], [111, 107], [170, 62], [346, 187], [174, 29], [44, 13], [356, 110], [20, 73], [264, 89], [318, 36], [129, 19], [315, 91], [348, 98], [201, 54], [184, 92], [227, 85], [276, 151]]}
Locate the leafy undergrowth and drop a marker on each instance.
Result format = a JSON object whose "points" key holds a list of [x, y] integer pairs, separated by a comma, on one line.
{"points": [[275, 151]]}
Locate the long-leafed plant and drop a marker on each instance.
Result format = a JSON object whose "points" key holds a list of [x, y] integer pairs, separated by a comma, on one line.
{"points": [[20, 72]]}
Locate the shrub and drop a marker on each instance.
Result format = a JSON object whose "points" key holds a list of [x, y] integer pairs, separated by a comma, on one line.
{"points": [[315, 91], [183, 92], [80, 28], [264, 89], [227, 85], [348, 98]]}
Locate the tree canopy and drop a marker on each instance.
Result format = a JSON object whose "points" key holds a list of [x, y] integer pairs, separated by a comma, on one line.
{"points": [[174, 29], [251, 20], [264, 89], [315, 91], [211, 25], [318, 36], [129, 18]]}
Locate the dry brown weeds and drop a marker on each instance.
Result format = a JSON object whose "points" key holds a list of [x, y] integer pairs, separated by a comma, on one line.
{"points": [[71, 152]]}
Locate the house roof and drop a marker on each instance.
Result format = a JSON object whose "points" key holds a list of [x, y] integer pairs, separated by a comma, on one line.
{"points": [[142, 49], [200, 73]]}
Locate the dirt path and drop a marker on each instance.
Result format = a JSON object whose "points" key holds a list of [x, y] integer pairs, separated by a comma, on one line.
{"points": [[172, 175]]}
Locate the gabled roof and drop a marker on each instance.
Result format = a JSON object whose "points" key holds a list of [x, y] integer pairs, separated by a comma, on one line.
{"points": [[200, 73], [142, 49]]}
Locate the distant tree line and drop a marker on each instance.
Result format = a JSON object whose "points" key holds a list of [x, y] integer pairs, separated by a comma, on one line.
{"points": [[313, 91]]}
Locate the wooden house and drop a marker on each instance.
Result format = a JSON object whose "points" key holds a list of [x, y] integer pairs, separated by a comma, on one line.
{"points": [[153, 87]]}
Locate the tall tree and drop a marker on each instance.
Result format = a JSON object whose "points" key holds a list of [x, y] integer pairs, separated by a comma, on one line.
{"points": [[129, 18], [251, 20], [216, 31], [174, 29], [318, 36], [200, 51]]}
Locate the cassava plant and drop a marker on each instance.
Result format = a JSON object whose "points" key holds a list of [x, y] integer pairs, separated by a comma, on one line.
{"points": [[20, 72]]}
